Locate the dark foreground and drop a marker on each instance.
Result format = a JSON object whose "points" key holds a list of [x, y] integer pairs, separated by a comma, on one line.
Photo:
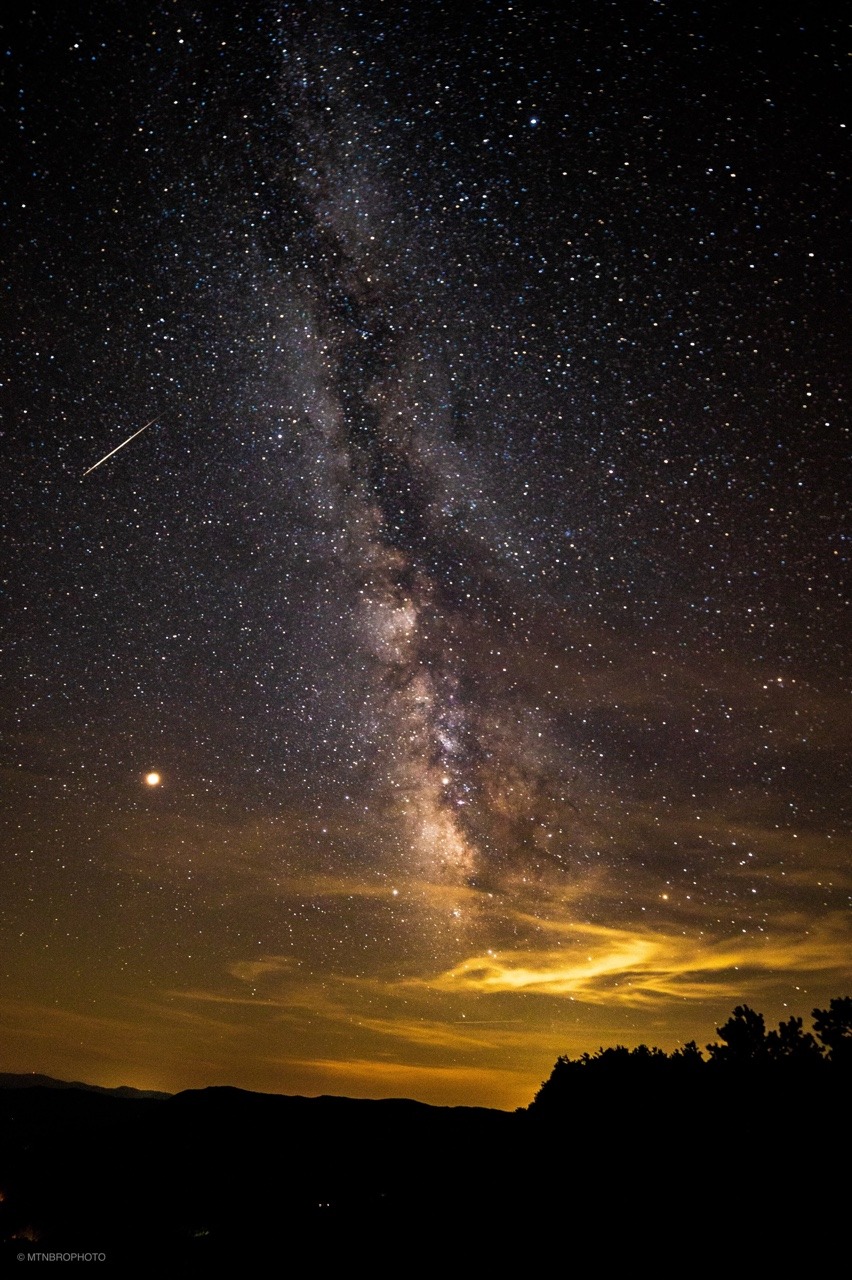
{"points": [[746, 1172]]}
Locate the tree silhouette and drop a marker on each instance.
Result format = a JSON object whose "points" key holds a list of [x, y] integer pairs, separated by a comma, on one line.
{"points": [[689, 1058], [744, 1036], [746, 1053], [834, 1028], [791, 1044]]}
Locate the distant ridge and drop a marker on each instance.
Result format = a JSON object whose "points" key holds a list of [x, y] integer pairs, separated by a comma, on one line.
{"points": [[30, 1080], [223, 1172], [233, 1096]]}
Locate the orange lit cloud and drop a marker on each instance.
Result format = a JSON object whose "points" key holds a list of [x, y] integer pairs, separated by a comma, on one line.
{"points": [[622, 966]]}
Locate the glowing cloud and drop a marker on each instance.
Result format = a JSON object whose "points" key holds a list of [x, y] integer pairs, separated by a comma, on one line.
{"points": [[615, 966]]}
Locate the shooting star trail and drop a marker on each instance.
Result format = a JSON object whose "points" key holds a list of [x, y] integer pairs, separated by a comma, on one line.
{"points": [[117, 447]]}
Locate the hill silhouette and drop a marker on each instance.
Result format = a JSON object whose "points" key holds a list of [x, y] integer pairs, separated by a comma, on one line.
{"points": [[620, 1147], [32, 1080]]}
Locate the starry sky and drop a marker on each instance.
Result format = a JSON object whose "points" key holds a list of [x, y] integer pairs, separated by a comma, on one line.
{"points": [[474, 593]]}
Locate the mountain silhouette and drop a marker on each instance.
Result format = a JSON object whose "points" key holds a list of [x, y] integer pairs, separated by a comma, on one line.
{"points": [[623, 1150]]}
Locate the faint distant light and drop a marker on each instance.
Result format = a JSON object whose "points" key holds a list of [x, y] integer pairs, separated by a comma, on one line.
{"points": [[152, 779]]}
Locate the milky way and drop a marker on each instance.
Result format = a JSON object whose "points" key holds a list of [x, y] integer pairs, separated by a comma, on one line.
{"points": [[475, 589]]}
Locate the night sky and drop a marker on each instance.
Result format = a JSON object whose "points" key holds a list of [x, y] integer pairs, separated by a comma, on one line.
{"points": [[475, 595]]}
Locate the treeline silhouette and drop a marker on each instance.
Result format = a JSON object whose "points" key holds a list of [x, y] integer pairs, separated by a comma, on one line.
{"points": [[624, 1153], [747, 1052]]}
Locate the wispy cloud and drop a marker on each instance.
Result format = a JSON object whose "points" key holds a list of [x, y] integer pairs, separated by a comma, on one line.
{"points": [[605, 965]]}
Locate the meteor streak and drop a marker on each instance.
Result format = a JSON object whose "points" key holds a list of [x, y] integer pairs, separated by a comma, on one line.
{"points": [[119, 446]]}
